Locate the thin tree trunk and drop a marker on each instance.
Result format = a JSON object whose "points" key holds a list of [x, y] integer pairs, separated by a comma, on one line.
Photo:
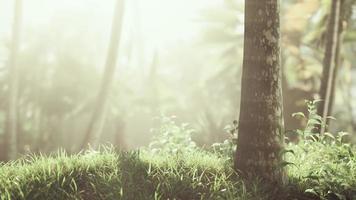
{"points": [[98, 118], [331, 60], [12, 112], [260, 135]]}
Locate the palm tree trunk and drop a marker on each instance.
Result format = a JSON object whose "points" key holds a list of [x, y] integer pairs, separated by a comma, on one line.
{"points": [[260, 135]]}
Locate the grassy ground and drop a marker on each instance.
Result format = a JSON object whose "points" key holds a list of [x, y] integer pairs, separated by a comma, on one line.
{"points": [[319, 171]]}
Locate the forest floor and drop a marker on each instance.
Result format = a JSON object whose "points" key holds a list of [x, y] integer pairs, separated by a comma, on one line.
{"points": [[316, 171]]}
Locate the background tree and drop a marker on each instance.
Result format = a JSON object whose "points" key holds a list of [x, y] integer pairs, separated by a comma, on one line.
{"points": [[330, 63], [260, 135], [98, 118], [11, 132]]}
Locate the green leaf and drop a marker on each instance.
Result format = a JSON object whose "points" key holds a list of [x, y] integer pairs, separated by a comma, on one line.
{"points": [[329, 135], [342, 134], [298, 114], [285, 163], [317, 101], [331, 117], [311, 191]]}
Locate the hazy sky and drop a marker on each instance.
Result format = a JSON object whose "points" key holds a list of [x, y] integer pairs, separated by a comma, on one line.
{"points": [[161, 20], [158, 23]]}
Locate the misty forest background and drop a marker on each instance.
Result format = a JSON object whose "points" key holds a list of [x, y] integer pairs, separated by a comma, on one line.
{"points": [[178, 58], [218, 99]]}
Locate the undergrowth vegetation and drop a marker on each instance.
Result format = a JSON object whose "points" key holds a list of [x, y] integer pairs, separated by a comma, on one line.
{"points": [[173, 167]]}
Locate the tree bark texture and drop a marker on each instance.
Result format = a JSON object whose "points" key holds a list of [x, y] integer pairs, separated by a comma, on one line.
{"points": [[260, 134]]}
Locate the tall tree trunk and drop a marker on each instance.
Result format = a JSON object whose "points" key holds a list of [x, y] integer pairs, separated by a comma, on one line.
{"points": [[97, 120], [331, 60], [260, 135], [11, 133]]}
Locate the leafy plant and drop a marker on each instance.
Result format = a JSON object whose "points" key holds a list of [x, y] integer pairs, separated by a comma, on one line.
{"points": [[313, 120], [228, 147], [310, 132], [172, 138], [318, 176]]}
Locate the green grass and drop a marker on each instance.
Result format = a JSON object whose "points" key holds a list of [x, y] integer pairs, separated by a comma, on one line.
{"points": [[324, 169], [319, 171]]}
